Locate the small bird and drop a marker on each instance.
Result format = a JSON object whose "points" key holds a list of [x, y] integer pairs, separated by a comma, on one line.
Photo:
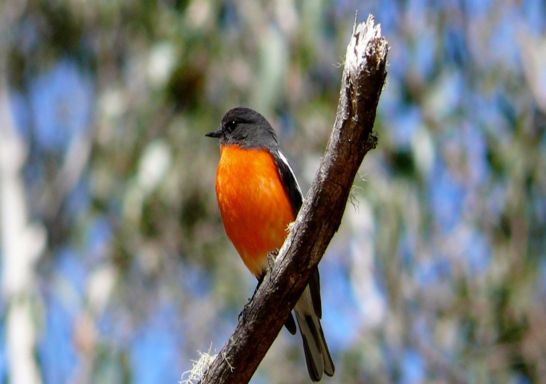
{"points": [[259, 197]]}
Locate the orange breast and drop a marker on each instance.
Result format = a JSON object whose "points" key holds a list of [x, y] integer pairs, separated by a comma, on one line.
{"points": [[254, 206]]}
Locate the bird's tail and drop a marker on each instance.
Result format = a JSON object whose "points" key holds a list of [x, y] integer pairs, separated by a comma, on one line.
{"points": [[308, 316]]}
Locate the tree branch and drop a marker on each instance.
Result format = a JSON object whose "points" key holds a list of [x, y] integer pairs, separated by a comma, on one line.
{"points": [[320, 216]]}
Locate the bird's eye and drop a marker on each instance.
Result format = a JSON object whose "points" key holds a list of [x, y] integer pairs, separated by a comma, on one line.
{"points": [[230, 126]]}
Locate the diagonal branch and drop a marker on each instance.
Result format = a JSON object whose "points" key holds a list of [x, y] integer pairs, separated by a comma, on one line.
{"points": [[352, 137]]}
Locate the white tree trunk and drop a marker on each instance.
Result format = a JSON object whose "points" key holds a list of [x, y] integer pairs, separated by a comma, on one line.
{"points": [[21, 243]]}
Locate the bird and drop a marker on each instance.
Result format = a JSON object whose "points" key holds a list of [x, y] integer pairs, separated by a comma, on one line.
{"points": [[258, 198]]}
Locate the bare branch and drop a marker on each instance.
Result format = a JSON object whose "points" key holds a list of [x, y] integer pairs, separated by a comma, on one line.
{"points": [[320, 216]]}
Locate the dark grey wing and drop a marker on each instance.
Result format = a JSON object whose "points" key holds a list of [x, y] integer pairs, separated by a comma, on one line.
{"points": [[290, 324], [289, 181], [296, 199], [294, 194], [314, 287]]}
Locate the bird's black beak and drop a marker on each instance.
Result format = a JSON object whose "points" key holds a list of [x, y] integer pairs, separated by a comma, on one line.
{"points": [[215, 134]]}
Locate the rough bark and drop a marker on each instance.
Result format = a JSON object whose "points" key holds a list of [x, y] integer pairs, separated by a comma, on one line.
{"points": [[352, 137]]}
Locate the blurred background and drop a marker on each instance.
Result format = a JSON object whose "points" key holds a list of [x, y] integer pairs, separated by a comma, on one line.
{"points": [[114, 264]]}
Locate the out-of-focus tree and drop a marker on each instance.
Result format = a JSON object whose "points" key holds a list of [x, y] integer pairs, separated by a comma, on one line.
{"points": [[439, 270]]}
